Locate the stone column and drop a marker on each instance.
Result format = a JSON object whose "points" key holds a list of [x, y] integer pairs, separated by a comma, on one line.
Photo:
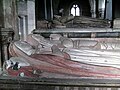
{"points": [[26, 19], [1, 26], [22, 19], [1, 14], [93, 13], [0, 51], [6, 36], [31, 15], [8, 23], [93, 8], [48, 9], [109, 10], [101, 8], [51, 1], [23, 27], [45, 9], [10, 16]]}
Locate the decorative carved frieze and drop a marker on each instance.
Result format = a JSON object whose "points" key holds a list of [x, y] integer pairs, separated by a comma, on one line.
{"points": [[6, 35]]}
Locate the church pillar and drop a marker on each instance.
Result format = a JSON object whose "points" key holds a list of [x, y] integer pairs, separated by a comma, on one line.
{"points": [[26, 17], [8, 25], [108, 9], [48, 9], [45, 9], [101, 8], [93, 8], [0, 51], [51, 2], [10, 16], [31, 15]]}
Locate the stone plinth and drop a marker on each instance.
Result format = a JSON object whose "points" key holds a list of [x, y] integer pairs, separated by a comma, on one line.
{"points": [[6, 36]]}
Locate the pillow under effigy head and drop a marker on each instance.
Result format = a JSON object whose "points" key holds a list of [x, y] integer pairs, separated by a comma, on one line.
{"points": [[41, 40], [25, 47]]}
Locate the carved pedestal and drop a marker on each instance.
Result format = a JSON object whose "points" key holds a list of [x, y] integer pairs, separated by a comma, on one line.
{"points": [[6, 36]]}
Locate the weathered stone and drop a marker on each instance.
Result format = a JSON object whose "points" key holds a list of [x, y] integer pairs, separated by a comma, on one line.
{"points": [[56, 22], [116, 23], [66, 19], [86, 22], [42, 24], [10, 16]]}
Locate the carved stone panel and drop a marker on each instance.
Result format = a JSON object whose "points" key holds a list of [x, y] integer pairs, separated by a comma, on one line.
{"points": [[6, 36]]}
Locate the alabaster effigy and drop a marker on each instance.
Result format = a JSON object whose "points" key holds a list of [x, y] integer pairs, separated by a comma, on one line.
{"points": [[64, 58]]}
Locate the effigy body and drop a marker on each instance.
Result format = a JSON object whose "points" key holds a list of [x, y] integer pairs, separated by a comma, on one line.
{"points": [[61, 61]]}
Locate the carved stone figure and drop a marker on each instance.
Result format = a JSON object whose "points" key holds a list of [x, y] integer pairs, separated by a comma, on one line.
{"points": [[65, 62]]}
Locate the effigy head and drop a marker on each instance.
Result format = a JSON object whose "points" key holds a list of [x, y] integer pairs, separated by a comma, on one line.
{"points": [[67, 42]]}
